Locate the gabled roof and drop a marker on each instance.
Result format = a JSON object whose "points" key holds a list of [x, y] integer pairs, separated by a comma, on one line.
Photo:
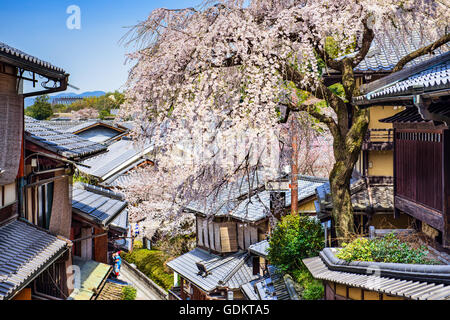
{"points": [[209, 271], [99, 131], [86, 125], [260, 248], [120, 155], [232, 199], [65, 144], [21, 59], [233, 202], [96, 204], [25, 251]]}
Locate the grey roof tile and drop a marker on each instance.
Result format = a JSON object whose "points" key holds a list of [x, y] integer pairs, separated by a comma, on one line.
{"points": [[100, 205], [119, 155], [416, 290], [230, 271], [260, 248], [13, 52], [434, 78], [65, 144], [24, 250], [385, 52], [381, 196]]}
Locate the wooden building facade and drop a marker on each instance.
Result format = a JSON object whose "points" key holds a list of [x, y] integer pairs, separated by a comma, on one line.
{"points": [[421, 142]]}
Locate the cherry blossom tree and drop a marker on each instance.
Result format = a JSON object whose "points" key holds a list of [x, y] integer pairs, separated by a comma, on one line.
{"points": [[83, 114], [231, 70]]}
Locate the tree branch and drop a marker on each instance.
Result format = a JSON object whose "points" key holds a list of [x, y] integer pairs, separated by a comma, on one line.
{"points": [[422, 51], [367, 39], [311, 110]]}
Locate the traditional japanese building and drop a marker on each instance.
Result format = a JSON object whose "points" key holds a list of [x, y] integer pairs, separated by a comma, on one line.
{"points": [[421, 176], [28, 249], [100, 217], [50, 159], [372, 184], [229, 261]]}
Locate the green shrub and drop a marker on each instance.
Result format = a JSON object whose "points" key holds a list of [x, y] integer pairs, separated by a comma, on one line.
{"points": [[137, 244], [386, 249], [312, 288], [293, 239], [151, 263], [313, 291], [129, 293]]}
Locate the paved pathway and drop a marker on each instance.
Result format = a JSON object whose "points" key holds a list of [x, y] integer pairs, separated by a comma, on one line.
{"points": [[143, 290]]}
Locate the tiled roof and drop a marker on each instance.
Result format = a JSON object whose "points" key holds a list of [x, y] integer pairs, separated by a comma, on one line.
{"points": [[25, 251], [97, 204], [92, 275], [17, 54], [86, 124], [120, 155], [260, 248], [121, 221], [432, 79], [121, 177], [400, 284], [430, 76], [385, 52], [65, 144], [209, 271], [232, 200], [252, 210], [307, 186], [378, 196]]}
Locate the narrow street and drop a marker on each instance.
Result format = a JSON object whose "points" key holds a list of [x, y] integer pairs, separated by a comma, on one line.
{"points": [[143, 291]]}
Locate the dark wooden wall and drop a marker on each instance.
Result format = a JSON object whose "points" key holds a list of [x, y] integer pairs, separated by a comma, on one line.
{"points": [[418, 166]]}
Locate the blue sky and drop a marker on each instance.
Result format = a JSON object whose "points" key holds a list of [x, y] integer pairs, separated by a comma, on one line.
{"points": [[92, 55]]}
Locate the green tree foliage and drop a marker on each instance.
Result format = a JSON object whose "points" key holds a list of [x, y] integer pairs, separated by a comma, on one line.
{"points": [[41, 109], [293, 239], [103, 104]]}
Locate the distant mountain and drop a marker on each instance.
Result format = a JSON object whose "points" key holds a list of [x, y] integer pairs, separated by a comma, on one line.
{"points": [[30, 101]]}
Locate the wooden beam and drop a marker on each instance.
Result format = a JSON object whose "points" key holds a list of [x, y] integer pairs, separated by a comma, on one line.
{"points": [[420, 212]]}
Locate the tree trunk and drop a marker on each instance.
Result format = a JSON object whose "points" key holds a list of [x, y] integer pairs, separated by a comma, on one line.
{"points": [[342, 212], [347, 149]]}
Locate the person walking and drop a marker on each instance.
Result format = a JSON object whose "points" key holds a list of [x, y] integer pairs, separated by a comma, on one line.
{"points": [[117, 263]]}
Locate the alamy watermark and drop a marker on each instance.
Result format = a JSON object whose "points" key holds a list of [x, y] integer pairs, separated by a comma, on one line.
{"points": [[73, 22]]}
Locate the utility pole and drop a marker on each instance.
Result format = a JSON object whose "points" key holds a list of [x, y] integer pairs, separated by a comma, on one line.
{"points": [[294, 166]]}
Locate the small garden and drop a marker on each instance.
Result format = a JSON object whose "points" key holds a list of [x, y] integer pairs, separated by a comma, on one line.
{"points": [[294, 239], [151, 263], [386, 249]]}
